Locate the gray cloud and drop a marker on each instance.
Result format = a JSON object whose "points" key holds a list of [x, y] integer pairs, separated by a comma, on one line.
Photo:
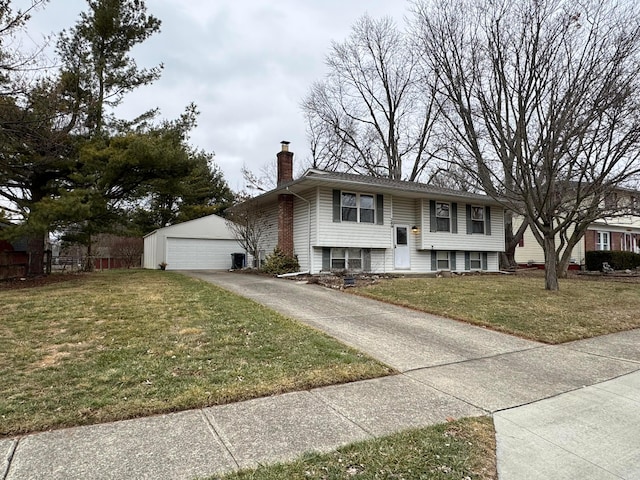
{"points": [[246, 64]]}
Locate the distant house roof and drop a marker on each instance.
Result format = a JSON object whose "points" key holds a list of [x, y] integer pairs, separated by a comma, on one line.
{"points": [[313, 177]]}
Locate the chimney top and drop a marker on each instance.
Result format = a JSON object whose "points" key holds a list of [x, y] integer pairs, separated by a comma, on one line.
{"points": [[285, 145]]}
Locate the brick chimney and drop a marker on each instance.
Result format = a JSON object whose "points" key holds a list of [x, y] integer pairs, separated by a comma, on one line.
{"points": [[285, 201], [285, 163]]}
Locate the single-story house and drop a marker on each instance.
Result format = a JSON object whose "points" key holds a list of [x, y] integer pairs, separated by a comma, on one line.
{"points": [[345, 222], [205, 243]]}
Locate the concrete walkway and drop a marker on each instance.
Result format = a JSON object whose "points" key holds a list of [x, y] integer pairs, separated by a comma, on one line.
{"points": [[557, 411]]}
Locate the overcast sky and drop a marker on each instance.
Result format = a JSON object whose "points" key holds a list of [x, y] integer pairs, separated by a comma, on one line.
{"points": [[246, 64]]}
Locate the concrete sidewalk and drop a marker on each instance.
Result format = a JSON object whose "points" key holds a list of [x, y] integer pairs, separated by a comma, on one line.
{"points": [[450, 369]]}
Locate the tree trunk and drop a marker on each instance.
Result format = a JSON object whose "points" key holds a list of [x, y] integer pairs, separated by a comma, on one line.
{"points": [[35, 248], [88, 266], [550, 264], [511, 241]]}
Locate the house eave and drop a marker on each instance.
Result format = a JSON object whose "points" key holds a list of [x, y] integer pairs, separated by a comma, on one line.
{"points": [[314, 178]]}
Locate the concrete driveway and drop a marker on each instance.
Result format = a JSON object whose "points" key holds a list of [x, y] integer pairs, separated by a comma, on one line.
{"points": [[403, 339], [556, 414]]}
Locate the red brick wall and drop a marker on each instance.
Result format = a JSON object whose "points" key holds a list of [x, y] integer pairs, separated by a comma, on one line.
{"points": [[590, 240], [285, 223]]}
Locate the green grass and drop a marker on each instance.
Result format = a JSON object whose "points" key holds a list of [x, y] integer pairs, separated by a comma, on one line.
{"points": [[519, 304], [123, 344], [464, 449]]}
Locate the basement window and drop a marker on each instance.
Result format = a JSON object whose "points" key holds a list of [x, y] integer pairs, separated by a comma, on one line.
{"points": [[346, 259]]}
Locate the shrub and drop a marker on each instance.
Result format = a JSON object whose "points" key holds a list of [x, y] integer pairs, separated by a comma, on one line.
{"points": [[616, 259], [278, 263]]}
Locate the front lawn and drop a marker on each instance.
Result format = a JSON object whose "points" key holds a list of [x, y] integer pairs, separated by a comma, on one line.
{"points": [[464, 449], [519, 304], [123, 344]]}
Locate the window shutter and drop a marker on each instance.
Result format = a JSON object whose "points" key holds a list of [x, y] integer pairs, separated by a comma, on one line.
{"points": [[326, 259], [434, 265], [487, 221], [380, 209], [469, 223], [485, 261], [467, 261], [336, 206], [432, 213], [454, 217], [366, 259], [452, 260]]}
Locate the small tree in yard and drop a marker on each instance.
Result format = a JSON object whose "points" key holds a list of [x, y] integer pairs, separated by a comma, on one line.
{"points": [[129, 249], [248, 223]]}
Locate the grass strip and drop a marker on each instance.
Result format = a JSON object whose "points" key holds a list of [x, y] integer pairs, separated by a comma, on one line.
{"points": [[123, 344], [463, 449]]}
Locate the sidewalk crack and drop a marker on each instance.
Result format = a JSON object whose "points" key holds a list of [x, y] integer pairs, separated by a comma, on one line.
{"points": [[9, 459], [214, 431]]}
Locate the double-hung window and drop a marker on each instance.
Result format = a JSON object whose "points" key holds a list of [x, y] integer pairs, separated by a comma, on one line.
{"points": [[603, 241], [346, 258], [442, 260], [475, 260], [338, 258], [477, 219], [358, 207], [443, 217], [354, 259], [349, 207]]}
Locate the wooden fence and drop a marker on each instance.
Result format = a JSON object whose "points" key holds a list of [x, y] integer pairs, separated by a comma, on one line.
{"points": [[13, 265]]}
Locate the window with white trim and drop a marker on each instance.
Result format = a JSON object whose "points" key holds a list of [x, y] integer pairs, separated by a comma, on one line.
{"points": [[358, 207], [443, 217], [442, 260], [338, 258], [346, 259], [477, 219], [603, 241], [354, 258], [475, 260]]}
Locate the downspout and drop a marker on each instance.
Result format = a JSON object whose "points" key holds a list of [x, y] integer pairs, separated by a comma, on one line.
{"points": [[310, 265]]}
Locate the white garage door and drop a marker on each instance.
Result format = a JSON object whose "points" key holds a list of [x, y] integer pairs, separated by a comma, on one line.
{"points": [[200, 254]]}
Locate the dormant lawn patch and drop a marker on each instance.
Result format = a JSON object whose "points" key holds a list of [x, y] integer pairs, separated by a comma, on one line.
{"points": [[123, 344], [520, 305]]}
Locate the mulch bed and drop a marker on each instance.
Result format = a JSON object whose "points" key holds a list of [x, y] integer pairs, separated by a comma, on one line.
{"points": [[37, 281]]}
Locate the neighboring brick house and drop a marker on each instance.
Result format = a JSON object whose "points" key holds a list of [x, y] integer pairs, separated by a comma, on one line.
{"points": [[338, 221]]}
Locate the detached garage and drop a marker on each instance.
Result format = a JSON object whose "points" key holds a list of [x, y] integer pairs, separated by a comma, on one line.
{"points": [[201, 244]]}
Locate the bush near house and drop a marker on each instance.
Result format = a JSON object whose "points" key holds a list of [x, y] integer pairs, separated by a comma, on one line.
{"points": [[616, 259], [279, 262]]}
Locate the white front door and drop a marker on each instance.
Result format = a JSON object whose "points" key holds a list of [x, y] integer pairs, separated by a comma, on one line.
{"points": [[401, 252]]}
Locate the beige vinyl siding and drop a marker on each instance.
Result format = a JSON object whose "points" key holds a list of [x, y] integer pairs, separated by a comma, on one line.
{"points": [[269, 239], [533, 253], [351, 234], [304, 228], [462, 241]]}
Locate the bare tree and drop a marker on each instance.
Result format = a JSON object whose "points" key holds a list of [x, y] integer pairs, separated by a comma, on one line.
{"points": [[128, 249], [373, 113], [249, 224], [541, 100]]}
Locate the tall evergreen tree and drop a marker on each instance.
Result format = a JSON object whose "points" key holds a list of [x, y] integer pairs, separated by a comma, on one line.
{"points": [[96, 54]]}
